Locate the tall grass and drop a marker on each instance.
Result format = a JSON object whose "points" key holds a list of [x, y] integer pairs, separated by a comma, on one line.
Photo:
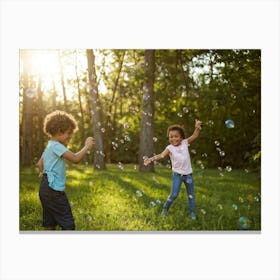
{"points": [[123, 199]]}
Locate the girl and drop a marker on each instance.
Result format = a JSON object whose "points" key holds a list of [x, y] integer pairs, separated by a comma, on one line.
{"points": [[181, 164]]}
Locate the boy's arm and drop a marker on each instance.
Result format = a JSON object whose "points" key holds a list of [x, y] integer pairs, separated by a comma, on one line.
{"points": [[77, 157], [156, 157], [196, 131], [40, 166]]}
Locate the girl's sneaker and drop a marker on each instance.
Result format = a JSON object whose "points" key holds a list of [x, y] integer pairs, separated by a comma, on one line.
{"points": [[193, 216], [164, 212]]}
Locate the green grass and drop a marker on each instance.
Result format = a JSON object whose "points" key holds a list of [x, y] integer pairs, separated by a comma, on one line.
{"points": [[107, 200]]}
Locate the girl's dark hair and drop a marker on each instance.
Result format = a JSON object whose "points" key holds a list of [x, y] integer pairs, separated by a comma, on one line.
{"points": [[178, 128], [59, 122]]}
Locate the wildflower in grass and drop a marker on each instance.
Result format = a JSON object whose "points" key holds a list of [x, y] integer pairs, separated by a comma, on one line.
{"points": [[178, 152]]}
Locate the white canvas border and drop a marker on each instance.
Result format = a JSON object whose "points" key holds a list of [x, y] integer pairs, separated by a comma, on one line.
{"points": [[154, 24]]}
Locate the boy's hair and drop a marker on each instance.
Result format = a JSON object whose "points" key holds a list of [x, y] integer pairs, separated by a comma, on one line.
{"points": [[59, 122], [178, 128]]}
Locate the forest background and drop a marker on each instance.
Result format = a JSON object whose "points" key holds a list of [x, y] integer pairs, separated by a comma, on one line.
{"points": [[126, 99]]}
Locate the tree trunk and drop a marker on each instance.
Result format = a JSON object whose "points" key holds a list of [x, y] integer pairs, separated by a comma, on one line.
{"points": [[82, 127], [27, 112], [40, 116], [62, 83], [99, 159], [147, 120]]}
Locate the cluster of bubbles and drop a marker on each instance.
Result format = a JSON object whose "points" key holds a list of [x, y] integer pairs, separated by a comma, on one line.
{"points": [[152, 203], [185, 111]]}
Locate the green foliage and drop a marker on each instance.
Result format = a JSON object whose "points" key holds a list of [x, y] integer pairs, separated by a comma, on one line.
{"points": [[122, 199], [211, 85]]}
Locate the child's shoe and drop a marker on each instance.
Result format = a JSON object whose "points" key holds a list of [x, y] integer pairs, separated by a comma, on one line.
{"points": [[164, 212], [193, 216]]}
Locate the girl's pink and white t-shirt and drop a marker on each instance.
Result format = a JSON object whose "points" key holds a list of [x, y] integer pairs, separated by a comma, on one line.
{"points": [[180, 158]]}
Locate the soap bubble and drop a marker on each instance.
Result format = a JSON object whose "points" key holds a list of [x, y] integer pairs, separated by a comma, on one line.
{"points": [[217, 143], [126, 125], [185, 110], [139, 193], [103, 129], [30, 92], [228, 168], [210, 123], [127, 138], [155, 139], [234, 207], [220, 206], [229, 123], [222, 153], [243, 222], [180, 115], [152, 204], [203, 211]]}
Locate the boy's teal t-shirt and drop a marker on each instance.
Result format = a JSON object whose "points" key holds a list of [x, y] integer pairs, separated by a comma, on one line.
{"points": [[54, 165]]}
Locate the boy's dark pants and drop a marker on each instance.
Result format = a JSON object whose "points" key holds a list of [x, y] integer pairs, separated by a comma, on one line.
{"points": [[56, 207]]}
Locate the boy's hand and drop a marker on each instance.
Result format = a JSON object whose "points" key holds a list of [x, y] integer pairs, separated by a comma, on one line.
{"points": [[89, 142], [198, 124], [147, 161]]}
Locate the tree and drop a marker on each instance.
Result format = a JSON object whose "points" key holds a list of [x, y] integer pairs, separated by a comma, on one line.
{"points": [[147, 119], [29, 93], [99, 160]]}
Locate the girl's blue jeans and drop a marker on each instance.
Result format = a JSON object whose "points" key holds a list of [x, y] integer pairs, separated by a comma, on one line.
{"points": [[177, 180]]}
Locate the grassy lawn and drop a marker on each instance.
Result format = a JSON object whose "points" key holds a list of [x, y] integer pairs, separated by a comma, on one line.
{"points": [[123, 199]]}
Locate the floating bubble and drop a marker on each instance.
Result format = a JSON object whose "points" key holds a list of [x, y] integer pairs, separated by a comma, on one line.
{"points": [[180, 115], [256, 199], [158, 201], [155, 139], [203, 211], [228, 168], [103, 129], [30, 92], [185, 110], [152, 204], [89, 218], [217, 143], [229, 123], [148, 124], [210, 123], [222, 174], [155, 179], [120, 165], [99, 123], [220, 206], [220, 168], [126, 125], [234, 207], [218, 149], [122, 141], [246, 170], [222, 153], [204, 155], [86, 163], [190, 196], [90, 183], [139, 193], [88, 152], [157, 103], [240, 199], [135, 167], [202, 166], [233, 96], [127, 138], [243, 222], [193, 151]]}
